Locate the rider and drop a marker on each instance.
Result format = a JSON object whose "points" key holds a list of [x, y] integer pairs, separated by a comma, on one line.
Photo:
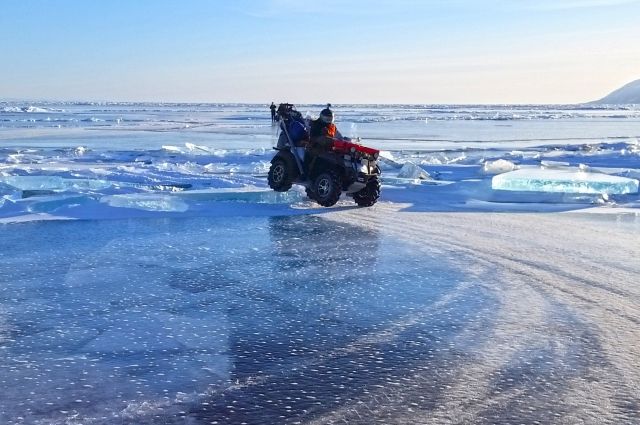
{"points": [[323, 130], [321, 135]]}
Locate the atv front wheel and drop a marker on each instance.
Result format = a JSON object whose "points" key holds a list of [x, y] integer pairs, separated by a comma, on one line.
{"points": [[279, 178], [327, 188], [368, 195]]}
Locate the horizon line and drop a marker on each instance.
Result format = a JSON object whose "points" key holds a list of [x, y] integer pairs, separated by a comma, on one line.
{"points": [[160, 102]]}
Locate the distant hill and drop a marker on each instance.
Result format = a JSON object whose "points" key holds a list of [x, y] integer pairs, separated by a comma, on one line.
{"points": [[627, 94]]}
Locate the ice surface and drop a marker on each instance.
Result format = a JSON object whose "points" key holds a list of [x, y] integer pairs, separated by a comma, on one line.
{"points": [[563, 180], [231, 320]]}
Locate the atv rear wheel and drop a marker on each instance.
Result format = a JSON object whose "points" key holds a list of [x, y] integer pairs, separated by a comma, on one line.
{"points": [[326, 188], [368, 195], [310, 193], [279, 178]]}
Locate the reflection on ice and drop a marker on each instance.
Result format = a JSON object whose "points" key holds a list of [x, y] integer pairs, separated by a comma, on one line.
{"points": [[215, 319]]}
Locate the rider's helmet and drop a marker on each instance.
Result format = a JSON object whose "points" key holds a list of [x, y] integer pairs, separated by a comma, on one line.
{"points": [[326, 115]]}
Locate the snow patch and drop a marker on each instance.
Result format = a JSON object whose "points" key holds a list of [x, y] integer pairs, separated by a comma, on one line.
{"points": [[498, 166]]}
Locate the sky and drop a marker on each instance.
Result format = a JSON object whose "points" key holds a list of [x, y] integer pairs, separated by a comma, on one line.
{"points": [[317, 51]]}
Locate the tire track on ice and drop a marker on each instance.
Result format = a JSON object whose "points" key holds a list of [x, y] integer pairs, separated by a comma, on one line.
{"points": [[583, 315]]}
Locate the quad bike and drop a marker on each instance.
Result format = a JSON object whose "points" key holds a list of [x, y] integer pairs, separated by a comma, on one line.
{"points": [[342, 166]]}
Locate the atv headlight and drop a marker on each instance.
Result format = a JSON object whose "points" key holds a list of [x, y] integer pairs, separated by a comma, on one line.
{"points": [[364, 167]]}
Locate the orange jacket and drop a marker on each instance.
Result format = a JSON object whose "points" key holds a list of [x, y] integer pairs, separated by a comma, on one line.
{"points": [[330, 130]]}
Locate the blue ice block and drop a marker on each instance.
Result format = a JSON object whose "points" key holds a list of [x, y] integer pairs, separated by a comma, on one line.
{"points": [[563, 180]]}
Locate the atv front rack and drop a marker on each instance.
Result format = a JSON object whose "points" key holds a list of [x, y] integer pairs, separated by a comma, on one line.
{"points": [[346, 147]]}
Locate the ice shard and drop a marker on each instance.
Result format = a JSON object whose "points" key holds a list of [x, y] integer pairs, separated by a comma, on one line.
{"points": [[147, 202], [411, 170], [563, 180], [247, 194]]}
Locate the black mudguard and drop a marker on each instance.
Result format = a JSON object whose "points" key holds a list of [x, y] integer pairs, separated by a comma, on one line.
{"points": [[288, 158]]}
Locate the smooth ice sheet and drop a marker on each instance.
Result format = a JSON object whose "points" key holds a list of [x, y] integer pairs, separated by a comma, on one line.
{"points": [[208, 319]]}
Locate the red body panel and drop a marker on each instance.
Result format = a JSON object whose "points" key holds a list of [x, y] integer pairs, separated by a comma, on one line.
{"points": [[342, 146]]}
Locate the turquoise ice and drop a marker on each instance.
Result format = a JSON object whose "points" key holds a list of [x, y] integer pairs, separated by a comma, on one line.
{"points": [[564, 180]]}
